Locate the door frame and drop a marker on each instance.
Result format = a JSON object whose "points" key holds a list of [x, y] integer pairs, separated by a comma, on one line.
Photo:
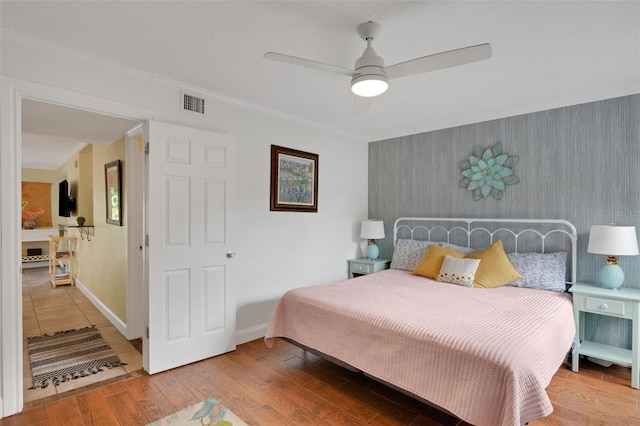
{"points": [[12, 91], [134, 205]]}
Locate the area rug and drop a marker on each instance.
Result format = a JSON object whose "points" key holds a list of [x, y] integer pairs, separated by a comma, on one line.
{"points": [[208, 412], [67, 355]]}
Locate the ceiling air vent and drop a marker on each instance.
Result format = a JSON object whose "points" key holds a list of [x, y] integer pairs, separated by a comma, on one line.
{"points": [[192, 103]]}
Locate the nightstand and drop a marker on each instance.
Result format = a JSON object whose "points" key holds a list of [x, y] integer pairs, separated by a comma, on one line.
{"points": [[364, 266], [621, 303]]}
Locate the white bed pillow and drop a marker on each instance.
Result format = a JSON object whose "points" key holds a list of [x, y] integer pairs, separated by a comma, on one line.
{"points": [[408, 253], [461, 249], [541, 271], [459, 271]]}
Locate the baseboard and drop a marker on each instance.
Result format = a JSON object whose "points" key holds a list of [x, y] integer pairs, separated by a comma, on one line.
{"points": [[249, 334], [113, 319], [242, 336]]}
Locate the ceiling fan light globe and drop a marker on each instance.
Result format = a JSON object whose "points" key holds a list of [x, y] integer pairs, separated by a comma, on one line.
{"points": [[369, 86]]}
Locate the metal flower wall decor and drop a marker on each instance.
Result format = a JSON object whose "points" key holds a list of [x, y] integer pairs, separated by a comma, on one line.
{"points": [[488, 172]]}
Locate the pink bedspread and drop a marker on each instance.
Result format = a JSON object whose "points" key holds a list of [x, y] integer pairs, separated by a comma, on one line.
{"points": [[485, 355]]}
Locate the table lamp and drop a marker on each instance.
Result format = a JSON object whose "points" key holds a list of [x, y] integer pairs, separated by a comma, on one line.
{"points": [[613, 241], [372, 230]]}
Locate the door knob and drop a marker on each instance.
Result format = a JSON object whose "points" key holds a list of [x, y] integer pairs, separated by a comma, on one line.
{"points": [[231, 254]]}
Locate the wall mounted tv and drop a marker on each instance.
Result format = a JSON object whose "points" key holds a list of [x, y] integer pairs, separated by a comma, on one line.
{"points": [[66, 204]]}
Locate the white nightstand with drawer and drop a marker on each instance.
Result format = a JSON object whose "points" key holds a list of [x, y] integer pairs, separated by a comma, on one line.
{"points": [[621, 303], [364, 266]]}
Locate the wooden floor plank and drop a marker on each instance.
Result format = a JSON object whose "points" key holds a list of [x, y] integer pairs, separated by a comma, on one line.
{"points": [[178, 394], [267, 416], [305, 399], [346, 402], [305, 417], [344, 418], [292, 372], [95, 409], [150, 398], [64, 412], [127, 410], [388, 408]]}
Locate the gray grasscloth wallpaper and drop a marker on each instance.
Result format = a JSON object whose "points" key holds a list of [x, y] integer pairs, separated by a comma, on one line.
{"points": [[579, 163]]}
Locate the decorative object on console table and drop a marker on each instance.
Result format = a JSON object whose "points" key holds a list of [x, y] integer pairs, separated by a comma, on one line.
{"points": [[624, 303], [61, 230], [372, 230], [613, 241], [364, 266]]}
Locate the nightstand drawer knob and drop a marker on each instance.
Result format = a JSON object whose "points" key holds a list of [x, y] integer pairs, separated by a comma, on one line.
{"points": [[604, 306]]}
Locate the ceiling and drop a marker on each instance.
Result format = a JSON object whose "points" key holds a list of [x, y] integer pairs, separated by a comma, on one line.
{"points": [[545, 54], [51, 134]]}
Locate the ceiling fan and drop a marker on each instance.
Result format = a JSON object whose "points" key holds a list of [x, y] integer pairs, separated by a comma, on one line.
{"points": [[370, 77]]}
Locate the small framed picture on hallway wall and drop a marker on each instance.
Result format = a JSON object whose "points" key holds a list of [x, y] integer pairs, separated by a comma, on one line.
{"points": [[113, 192]]}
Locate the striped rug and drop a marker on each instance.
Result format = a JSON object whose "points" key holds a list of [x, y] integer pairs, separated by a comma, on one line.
{"points": [[68, 355]]}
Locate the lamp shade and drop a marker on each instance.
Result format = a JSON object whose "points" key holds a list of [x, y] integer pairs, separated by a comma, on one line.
{"points": [[372, 229], [613, 240]]}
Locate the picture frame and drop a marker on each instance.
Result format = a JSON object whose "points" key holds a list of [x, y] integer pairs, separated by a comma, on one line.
{"points": [[294, 180], [113, 192]]}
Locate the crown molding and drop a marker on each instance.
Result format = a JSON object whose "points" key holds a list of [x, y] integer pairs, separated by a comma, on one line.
{"points": [[60, 51]]}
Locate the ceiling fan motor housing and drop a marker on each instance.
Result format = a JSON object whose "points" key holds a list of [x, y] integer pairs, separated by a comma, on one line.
{"points": [[369, 58], [369, 78], [369, 66]]}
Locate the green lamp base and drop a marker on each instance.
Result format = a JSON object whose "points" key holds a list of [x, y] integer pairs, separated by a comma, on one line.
{"points": [[373, 251], [611, 276]]}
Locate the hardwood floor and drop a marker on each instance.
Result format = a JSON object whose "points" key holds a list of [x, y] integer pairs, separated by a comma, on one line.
{"points": [[286, 386]]}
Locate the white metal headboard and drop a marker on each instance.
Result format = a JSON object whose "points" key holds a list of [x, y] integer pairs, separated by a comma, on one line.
{"points": [[517, 235]]}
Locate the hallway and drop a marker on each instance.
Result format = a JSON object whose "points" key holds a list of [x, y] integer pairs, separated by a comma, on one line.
{"points": [[46, 309]]}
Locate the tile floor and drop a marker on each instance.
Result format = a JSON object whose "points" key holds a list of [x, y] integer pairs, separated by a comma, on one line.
{"points": [[46, 309]]}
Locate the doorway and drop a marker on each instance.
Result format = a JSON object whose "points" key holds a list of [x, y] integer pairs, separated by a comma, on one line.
{"points": [[59, 131], [213, 195]]}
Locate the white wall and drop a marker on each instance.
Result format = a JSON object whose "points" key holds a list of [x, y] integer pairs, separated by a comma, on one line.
{"points": [[276, 250]]}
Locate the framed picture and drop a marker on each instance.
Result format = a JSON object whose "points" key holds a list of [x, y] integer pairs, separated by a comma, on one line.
{"points": [[113, 192], [294, 180]]}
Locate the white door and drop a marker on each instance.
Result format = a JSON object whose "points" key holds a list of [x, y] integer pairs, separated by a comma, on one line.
{"points": [[189, 219]]}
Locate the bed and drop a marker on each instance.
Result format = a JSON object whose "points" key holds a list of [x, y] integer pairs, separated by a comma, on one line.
{"points": [[485, 355]]}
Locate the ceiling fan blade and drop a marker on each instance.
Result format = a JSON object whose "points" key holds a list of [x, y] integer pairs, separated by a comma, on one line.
{"points": [[360, 104], [438, 61], [308, 63]]}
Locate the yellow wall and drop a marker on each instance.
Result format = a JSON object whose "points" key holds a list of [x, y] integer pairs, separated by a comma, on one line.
{"points": [[102, 262]]}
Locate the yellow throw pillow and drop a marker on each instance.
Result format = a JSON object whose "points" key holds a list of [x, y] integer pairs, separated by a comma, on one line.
{"points": [[494, 270], [431, 263]]}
